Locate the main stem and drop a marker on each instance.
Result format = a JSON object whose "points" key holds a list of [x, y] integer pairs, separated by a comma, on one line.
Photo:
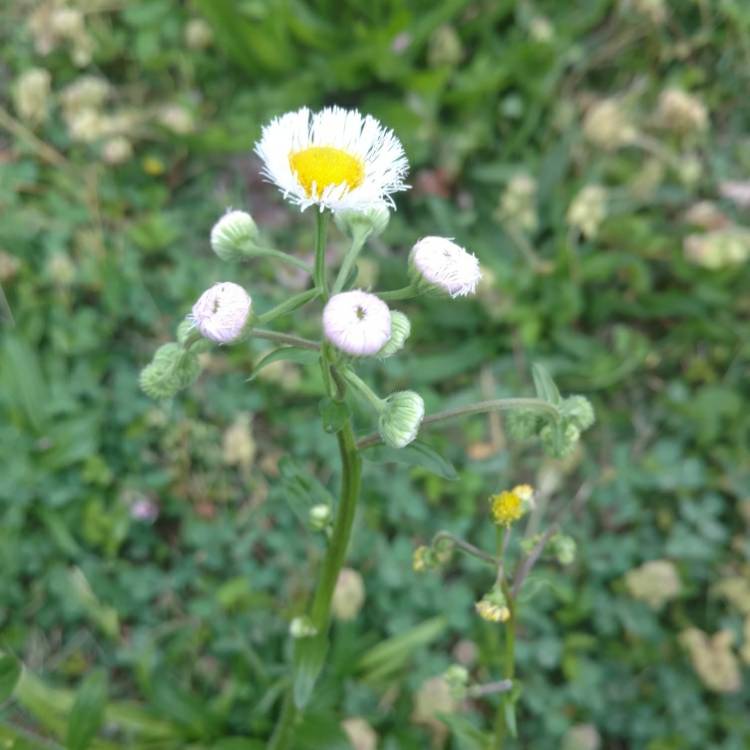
{"points": [[320, 611], [321, 282]]}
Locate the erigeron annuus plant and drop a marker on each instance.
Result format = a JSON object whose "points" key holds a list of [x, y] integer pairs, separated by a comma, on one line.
{"points": [[346, 166]]}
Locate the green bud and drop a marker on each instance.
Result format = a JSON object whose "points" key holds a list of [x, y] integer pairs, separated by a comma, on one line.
{"points": [[559, 439], [400, 330], [302, 627], [457, 679], [171, 370], [400, 419], [319, 517], [564, 548], [235, 236], [370, 222], [184, 329], [523, 424], [579, 411]]}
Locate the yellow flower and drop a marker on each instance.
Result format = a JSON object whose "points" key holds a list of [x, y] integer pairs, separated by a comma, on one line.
{"points": [[492, 612], [420, 560], [507, 507]]}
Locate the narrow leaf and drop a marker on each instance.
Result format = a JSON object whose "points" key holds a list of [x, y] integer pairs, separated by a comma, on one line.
{"points": [[416, 454], [544, 385], [10, 671], [287, 353], [87, 714]]}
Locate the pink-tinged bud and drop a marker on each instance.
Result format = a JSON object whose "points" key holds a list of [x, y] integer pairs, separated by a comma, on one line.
{"points": [[357, 323], [445, 266], [222, 312]]}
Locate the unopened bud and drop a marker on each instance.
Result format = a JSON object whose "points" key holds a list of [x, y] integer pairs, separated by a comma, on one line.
{"points": [[493, 607], [564, 548], [319, 517], [302, 627], [579, 411], [235, 236], [523, 423], [348, 595], [370, 221], [400, 330], [171, 370], [457, 678], [400, 419], [607, 125], [223, 313]]}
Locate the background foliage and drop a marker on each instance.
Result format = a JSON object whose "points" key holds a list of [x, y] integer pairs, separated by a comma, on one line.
{"points": [[149, 554]]}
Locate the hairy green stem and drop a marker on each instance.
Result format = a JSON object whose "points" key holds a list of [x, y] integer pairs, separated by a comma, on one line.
{"points": [[319, 274], [358, 242], [362, 387], [501, 404], [351, 473], [284, 338], [406, 292], [269, 252], [469, 549], [287, 306]]}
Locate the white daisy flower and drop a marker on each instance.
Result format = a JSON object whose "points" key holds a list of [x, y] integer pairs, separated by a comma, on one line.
{"points": [[222, 312], [336, 159], [445, 265], [357, 323]]}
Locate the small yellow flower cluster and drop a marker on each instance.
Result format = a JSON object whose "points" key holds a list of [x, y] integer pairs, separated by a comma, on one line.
{"points": [[492, 612], [421, 559], [508, 506]]}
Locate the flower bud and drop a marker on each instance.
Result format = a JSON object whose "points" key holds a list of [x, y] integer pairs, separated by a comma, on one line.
{"points": [[493, 607], [370, 221], [564, 548], [400, 330], [357, 323], [436, 264], [302, 627], [348, 595], [526, 493], [171, 370], [457, 678], [523, 423], [319, 517], [198, 34], [559, 440], [607, 125], [235, 236], [117, 150], [360, 734], [400, 419], [518, 204], [31, 95], [588, 210], [681, 112], [579, 411], [222, 313]]}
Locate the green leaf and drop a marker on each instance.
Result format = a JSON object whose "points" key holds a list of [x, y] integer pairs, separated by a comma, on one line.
{"points": [[87, 714], [467, 735], [10, 671], [509, 712], [415, 454], [286, 353], [237, 743], [393, 654], [302, 490], [544, 385], [309, 657], [334, 414]]}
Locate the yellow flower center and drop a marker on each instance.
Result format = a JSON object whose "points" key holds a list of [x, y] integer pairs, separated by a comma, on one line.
{"points": [[507, 507], [317, 167]]}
